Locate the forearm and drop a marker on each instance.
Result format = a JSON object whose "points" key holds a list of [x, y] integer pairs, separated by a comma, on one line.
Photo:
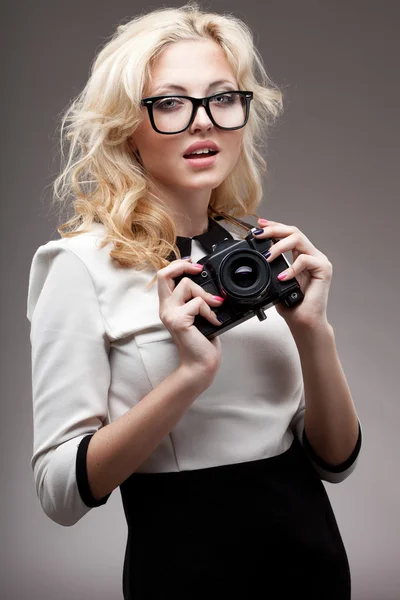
{"points": [[330, 419], [116, 450]]}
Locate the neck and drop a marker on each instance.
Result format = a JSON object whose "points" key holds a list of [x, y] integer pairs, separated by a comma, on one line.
{"points": [[188, 209], [189, 224]]}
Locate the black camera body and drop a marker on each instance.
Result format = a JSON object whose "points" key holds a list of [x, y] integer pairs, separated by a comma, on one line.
{"points": [[238, 271]]}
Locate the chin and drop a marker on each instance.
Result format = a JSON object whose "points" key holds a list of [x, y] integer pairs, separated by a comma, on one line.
{"points": [[203, 181], [205, 185]]}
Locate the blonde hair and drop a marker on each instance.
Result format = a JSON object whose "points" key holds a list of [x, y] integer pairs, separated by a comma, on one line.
{"points": [[101, 175]]}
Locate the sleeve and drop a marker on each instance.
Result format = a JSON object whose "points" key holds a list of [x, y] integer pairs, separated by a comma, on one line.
{"points": [[70, 379], [327, 472]]}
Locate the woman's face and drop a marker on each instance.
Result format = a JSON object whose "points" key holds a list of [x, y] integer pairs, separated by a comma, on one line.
{"points": [[198, 69]]}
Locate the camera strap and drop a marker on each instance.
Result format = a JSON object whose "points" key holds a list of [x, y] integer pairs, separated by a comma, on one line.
{"points": [[214, 234], [235, 220]]}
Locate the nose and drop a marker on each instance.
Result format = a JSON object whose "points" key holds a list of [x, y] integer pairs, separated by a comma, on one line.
{"points": [[202, 121]]}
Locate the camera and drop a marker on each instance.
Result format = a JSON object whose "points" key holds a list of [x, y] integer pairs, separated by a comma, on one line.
{"points": [[238, 271]]}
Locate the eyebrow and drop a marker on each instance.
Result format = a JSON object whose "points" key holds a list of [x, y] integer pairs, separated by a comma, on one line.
{"points": [[174, 86]]}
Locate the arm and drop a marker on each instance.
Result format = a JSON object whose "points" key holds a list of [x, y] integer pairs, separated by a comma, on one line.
{"points": [[117, 450], [330, 421], [70, 375], [331, 433], [78, 459]]}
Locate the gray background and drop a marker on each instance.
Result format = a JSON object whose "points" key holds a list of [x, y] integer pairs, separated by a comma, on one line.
{"points": [[333, 171]]}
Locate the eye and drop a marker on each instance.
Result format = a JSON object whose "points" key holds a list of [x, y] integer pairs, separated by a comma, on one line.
{"points": [[224, 98], [167, 103]]}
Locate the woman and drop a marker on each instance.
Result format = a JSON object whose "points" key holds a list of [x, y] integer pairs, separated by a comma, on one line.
{"points": [[218, 445]]}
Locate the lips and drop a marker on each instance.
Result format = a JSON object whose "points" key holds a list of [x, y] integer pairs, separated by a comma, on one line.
{"points": [[206, 144]]}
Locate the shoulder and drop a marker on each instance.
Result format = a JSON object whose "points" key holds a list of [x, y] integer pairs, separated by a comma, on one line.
{"points": [[84, 248], [82, 245], [80, 268], [68, 257], [65, 262]]}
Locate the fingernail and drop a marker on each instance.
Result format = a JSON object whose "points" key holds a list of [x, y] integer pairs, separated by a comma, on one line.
{"points": [[267, 254], [282, 276], [218, 298], [263, 221], [197, 265], [258, 231]]}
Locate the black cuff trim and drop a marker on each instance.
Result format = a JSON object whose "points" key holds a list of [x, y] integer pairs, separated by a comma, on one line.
{"points": [[82, 477], [326, 466]]}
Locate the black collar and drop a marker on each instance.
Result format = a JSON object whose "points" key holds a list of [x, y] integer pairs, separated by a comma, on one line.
{"points": [[214, 234]]}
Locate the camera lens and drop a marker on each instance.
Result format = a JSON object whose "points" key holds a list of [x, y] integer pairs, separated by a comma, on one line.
{"points": [[244, 275]]}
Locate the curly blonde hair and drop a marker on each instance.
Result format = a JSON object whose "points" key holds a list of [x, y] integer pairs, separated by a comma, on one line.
{"points": [[103, 178]]}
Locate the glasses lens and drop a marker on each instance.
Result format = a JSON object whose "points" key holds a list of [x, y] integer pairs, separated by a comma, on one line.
{"points": [[228, 110], [173, 114]]}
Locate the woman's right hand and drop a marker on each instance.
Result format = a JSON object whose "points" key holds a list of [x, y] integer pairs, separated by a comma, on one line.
{"points": [[179, 304]]}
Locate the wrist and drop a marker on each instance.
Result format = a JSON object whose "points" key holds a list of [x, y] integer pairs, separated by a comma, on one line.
{"points": [[312, 332], [197, 378]]}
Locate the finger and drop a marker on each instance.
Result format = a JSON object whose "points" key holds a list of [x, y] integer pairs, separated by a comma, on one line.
{"points": [[296, 242], [166, 276], [320, 268], [265, 222], [277, 230], [197, 306], [188, 289]]}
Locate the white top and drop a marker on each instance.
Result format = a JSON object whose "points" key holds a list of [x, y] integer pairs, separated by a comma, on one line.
{"points": [[99, 347]]}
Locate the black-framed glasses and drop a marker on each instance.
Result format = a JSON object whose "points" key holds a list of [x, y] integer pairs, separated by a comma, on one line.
{"points": [[174, 114]]}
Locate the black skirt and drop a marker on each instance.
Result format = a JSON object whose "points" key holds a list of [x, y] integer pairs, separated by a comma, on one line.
{"points": [[260, 529]]}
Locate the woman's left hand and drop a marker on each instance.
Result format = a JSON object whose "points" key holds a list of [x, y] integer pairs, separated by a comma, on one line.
{"points": [[310, 267]]}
